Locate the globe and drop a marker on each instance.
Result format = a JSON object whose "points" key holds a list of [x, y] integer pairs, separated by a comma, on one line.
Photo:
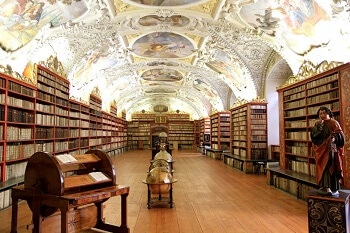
{"points": [[160, 163], [159, 180], [163, 154]]}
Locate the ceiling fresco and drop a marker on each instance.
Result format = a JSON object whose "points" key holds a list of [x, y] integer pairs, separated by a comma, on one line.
{"points": [[162, 45], [192, 56]]}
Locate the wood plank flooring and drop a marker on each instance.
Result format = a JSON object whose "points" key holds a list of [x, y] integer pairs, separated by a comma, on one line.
{"points": [[209, 197]]}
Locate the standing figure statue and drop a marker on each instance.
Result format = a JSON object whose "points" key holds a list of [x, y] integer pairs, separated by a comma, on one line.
{"points": [[328, 148]]}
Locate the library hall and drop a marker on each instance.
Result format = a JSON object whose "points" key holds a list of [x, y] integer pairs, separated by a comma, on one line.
{"points": [[177, 116]]}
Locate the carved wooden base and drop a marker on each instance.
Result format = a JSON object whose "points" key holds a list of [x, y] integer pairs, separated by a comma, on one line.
{"points": [[328, 213]]}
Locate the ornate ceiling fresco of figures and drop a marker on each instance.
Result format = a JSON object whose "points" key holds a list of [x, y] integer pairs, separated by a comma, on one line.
{"points": [[192, 56]]}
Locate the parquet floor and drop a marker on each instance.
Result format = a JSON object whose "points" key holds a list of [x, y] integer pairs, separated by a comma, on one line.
{"points": [[209, 197]]}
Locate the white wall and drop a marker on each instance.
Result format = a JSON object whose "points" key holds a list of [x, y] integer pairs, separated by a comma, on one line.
{"points": [[272, 109]]}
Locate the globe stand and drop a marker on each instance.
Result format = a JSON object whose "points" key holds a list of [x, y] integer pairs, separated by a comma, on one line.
{"points": [[160, 199]]}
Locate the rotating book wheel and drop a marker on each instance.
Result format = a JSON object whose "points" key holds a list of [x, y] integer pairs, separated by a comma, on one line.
{"points": [[42, 175]]}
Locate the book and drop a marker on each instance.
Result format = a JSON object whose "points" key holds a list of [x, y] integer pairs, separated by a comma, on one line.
{"points": [[98, 176], [65, 158]]}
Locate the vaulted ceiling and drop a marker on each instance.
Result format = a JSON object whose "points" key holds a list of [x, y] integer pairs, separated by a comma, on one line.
{"points": [[193, 56]]}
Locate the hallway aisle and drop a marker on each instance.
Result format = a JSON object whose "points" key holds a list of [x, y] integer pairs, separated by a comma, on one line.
{"points": [[209, 197]]}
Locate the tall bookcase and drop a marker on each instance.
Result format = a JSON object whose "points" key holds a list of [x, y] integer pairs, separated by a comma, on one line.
{"points": [[298, 105], [249, 131], [179, 127], [197, 132], [96, 133], [17, 126], [181, 130], [220, 130], [205, 131]]}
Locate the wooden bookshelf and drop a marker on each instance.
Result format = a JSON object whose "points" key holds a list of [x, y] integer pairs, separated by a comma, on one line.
{"points": [[298, 105], [179, 127], [275, 152], [249, 130], [180, 131], [197, 132], [205, 131], [18, 127], [220, 131], [96, 133], [42, 118]]}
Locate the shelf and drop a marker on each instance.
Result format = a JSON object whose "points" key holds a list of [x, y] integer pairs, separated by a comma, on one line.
{"points": [[299, 103]]}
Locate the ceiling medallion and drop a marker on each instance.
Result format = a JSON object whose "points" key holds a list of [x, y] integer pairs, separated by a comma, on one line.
{"points": [[160, 108], [163, 45], [163, 3]]}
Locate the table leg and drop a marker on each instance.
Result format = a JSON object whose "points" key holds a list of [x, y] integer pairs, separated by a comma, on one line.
{"points": [[14, 215]]}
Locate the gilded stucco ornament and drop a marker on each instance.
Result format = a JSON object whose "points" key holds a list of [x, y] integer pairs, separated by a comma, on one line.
{"points": [[96, 92], [53, 64], [308, 69], [7, 69]]}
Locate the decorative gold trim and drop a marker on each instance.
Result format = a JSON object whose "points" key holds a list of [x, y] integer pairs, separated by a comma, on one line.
{"points": [[240, 102], [53, 64], [308, 69], [96, 92], [10, 72]]}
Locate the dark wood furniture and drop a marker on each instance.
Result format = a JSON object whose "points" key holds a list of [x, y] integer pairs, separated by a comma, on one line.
{"points": [[66, 192], [292, 182], [220, 131], [328, 213], [243, 163], [213, 153], [249, 130]]}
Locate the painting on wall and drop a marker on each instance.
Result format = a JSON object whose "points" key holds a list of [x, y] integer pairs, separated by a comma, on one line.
{"points": [[301, 23], [154, 20], [163, 75], [21, 20], [163, 45]]}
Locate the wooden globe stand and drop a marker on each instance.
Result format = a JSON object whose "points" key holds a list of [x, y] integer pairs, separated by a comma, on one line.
{"points": [[159, 189], [65, 193]]}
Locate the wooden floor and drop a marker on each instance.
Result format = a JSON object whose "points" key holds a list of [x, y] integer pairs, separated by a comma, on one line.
{"points": [[209, 197]]}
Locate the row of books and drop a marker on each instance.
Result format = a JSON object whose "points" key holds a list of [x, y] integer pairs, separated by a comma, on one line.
{"points": [[19, 151], [16, 133], [5, 198], [15, 170], [293, 187], [20, 103], [302, 167], [20, 89], [322, 88], [181, 138], [298, 148], [261, 111], [300, 135], [16, 115]]}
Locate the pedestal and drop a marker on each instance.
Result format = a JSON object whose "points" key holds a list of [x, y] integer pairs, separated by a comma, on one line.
{"points": [[328, 213]]}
